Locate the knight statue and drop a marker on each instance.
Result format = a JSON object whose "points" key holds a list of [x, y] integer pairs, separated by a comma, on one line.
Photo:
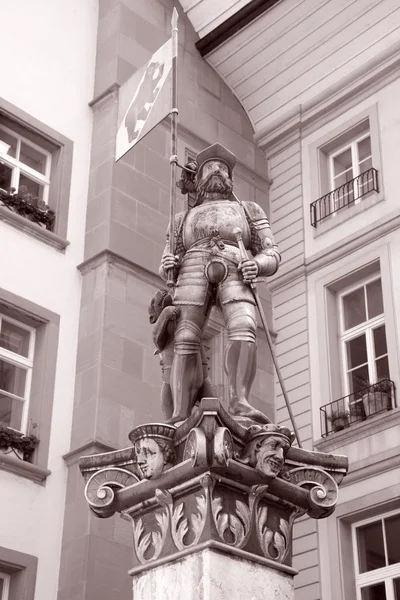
{"points": [[208, 270]]}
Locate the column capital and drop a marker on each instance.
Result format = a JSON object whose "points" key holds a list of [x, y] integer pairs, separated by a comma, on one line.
{"points": [[213, 483]]}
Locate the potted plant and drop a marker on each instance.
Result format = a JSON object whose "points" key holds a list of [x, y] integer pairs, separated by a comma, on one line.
{"points": [[22, 445], [378, 396], [356, 412], [339, 419]]}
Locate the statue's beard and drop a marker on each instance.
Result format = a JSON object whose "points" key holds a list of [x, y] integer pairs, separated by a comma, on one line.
{"points": [[215, 183]]}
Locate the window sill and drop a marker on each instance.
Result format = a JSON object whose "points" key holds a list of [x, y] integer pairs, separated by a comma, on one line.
{"points": [[32, 229], [359, 431], [23, 468], [345, 214]]}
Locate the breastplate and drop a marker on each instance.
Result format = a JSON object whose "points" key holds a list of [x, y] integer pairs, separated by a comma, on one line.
{"points": [[217, 215]]}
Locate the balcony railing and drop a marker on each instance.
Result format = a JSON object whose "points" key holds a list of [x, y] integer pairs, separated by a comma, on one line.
{"points": [[361, 405], [344, 196]]}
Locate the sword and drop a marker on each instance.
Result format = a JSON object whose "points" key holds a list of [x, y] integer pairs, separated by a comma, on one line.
{"points": [[253, 286]]}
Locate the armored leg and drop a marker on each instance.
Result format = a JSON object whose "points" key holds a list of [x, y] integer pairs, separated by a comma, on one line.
{"points": [[241, 358], [187, 367]]}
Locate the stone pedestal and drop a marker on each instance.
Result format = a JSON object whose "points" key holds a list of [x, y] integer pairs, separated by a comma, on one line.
{"points": [[212, 504], [210, 574]]}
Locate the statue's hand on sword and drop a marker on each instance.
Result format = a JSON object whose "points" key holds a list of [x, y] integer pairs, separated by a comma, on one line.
{"points": [[249, 269], [169, 261]]}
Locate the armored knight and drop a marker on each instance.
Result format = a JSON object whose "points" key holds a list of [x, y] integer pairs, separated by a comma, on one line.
{"points": [[209, 271]]}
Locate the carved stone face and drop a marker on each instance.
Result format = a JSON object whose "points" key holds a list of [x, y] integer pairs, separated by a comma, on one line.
{"points": [[150, 457], [214, 178], [271, 455]]}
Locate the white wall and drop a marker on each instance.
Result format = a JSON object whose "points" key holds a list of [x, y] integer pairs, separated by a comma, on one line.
{"points": [[48, 73]]}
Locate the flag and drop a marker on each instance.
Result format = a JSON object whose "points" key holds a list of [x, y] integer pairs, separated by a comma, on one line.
{"points": [[144, 100]]}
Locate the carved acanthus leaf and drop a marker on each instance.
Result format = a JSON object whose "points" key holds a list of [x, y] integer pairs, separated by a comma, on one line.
{"points": [[237, 524], [142, 540], [181, 525], [279, 540]]}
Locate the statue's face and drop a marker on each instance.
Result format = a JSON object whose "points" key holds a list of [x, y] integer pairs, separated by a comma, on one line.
{"points": [[214, 178], [271, 456], [150, 457], [214, 167]]}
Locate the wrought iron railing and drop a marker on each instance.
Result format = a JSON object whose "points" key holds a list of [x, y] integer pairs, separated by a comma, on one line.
{"points": [[344, 196], [357, 407]]}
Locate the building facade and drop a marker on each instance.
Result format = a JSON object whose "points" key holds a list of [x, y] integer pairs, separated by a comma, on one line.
{"points": [[304, 92], [45, 139]]}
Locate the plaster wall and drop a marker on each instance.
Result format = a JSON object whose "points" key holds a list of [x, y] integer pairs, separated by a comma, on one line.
{"points": [[313, 259], [49, 74]]}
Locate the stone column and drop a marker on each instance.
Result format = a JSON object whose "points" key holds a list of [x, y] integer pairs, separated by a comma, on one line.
{"points": [[210, 574], [212, 504]]}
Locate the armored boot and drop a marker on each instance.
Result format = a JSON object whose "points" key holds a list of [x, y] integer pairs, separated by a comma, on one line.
{"points": [[186, 381], [240, 366], [187, 370]]}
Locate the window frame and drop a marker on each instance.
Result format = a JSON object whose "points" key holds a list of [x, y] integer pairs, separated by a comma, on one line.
{"points": [[318, 152], [46, 325], [61, 150], [23, 362], [6, 586], [19, 167], [366, 327], [384, 574], [351, 144]]}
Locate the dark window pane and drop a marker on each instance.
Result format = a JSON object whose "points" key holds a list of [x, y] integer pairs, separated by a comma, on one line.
{"points": [[392, 529], [359, 380], [8, 146], [365, 165], [343, 178], [370, 547], [380, 341], [12, 379], [1, 587], [5, 176], [10, 412], [354, 308], [356, 351], [364, 149], [374, 298], [14, 338], [30, 187], [382, 367], [342, 162], [33, 158], [396, 584], [374, 592]]}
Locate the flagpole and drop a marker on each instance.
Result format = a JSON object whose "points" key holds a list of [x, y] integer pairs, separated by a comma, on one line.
{"points": [[174, 135]]}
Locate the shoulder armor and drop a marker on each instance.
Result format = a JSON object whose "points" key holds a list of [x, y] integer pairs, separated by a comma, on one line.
{"points": [[256, 215]]}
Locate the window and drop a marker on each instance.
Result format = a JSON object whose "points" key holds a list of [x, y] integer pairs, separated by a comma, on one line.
{"points": [[350, 172], [361, 350], [28, 359], [17, 343], [35, 175], [363, 335], [24, 166], [345, 169], [4, 586], [17, 575], [377, 557]]}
